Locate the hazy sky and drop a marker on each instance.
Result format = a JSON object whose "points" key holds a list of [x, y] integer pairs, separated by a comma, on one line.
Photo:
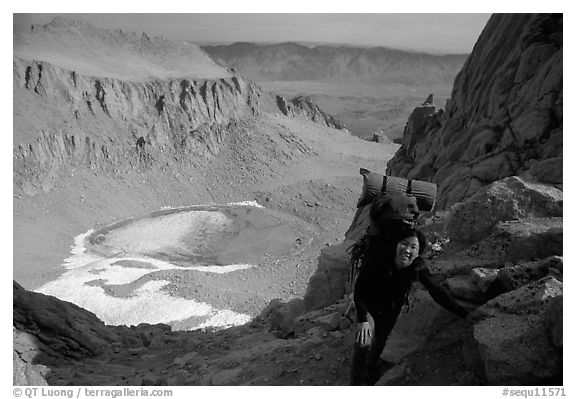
{"points": [[445, 33]]}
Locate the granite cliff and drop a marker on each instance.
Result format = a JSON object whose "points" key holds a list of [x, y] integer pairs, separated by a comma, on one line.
{"points": [[504, 116]]}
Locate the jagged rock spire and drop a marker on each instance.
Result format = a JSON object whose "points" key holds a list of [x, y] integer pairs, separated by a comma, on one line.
{"points": [[429, 100]]}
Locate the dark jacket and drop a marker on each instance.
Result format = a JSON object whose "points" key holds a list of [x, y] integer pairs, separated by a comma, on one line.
{"points": [[380, 288]]}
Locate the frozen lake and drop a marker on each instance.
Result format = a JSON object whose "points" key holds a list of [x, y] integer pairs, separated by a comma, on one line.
{"points": [[113, 271]]}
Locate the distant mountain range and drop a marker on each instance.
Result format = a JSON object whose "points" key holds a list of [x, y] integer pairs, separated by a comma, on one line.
{"points": [[297, 62]]}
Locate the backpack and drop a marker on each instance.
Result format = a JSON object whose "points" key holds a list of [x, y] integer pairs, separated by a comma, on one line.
{"points": [[374, 183], [388, 213]]}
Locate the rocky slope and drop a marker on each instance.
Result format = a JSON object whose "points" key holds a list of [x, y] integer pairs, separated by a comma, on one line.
{"points": [[504, 117], [293, 62]]}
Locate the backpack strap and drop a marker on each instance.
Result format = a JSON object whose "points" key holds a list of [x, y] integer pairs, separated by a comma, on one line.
{"points": [[384, 182], [357, 252]]}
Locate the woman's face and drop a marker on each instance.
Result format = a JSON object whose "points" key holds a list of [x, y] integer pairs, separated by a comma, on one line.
{"points": [[406, 252]]}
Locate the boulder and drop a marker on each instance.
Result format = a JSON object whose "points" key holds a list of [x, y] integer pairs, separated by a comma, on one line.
{"points": [[380, 137], [494, 282], [508, 199], [517, 276], [330, 281], [522, 240], [329, 319], [483, 277], [421, 321], [282, 316], [515, 340]]}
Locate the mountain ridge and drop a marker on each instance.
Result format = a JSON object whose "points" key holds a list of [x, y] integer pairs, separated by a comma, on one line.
{"points": [[88, 50], [293, 61]]}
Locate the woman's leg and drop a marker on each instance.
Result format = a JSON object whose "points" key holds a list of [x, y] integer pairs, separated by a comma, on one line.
{"points": [[358, 363], [383, 325]]}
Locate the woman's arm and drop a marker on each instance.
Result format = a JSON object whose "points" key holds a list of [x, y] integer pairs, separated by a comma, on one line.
{"points": [[441, 295], [359, 297]]}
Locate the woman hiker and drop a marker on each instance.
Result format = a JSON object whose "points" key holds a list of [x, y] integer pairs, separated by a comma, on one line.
{"points": [[390, 265]]}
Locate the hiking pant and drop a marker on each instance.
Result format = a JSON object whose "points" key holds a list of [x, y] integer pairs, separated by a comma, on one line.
{"points": [[365, 357]]}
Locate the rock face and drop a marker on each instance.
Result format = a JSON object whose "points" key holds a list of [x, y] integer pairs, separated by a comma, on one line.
{"points": [[330, 281], [504, 117], [45, 328], [61, 329], [183, 116]]}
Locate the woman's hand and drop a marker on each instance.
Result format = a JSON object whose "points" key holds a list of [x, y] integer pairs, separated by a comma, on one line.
{"points": [[363, 333]]}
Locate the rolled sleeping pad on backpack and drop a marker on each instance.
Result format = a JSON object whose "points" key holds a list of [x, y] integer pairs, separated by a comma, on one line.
{"points": [[374, 183]]}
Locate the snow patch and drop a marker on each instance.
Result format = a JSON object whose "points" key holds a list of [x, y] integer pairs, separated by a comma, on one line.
{"points": [[249, 203], [254, 204]]}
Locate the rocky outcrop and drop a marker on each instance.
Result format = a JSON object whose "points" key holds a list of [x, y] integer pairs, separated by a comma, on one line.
{"points": [[504, 117], [303, 106], [45, 328], [59, 328], [380, 137], [95, 121], [524, 239], [512, 198]]}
